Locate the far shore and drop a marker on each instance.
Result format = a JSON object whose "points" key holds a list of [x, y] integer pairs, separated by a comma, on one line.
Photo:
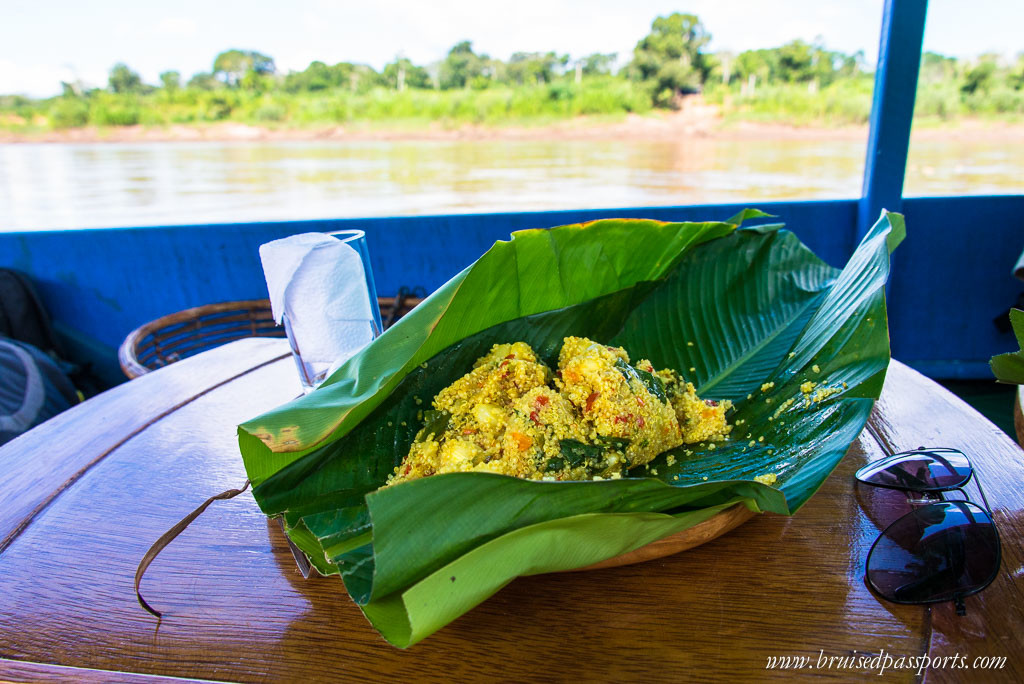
{"points": [[692, 122]]}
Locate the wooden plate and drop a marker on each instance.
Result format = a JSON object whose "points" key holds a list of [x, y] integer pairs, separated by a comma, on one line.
{"points": [[701, 533]]}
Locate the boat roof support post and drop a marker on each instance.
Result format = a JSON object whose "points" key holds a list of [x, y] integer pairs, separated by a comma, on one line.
{"points": [[892, 109]]}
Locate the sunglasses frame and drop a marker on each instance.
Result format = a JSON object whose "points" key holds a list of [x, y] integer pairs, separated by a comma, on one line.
{"points": [[926, 451], [958, 598]]}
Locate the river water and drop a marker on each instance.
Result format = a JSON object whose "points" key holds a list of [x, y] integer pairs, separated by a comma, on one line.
{"points": [[58, 186]]}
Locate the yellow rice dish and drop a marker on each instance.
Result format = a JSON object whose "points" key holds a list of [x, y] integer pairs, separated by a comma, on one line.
{"points": [[593, 418]]}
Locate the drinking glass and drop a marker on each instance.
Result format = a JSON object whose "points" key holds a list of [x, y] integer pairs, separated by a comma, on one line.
{"points": [[338, 336]]}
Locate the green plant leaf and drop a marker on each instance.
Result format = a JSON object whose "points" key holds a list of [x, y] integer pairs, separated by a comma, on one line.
{"points": [[746, 215], [537, 271], [574, 541], [1009, 368], [651, 382], [748, 315]]}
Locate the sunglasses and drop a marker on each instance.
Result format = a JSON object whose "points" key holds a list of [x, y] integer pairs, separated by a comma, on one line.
{"points": [[943, 550]]}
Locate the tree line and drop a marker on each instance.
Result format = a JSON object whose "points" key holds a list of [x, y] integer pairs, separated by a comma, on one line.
{"points": [[669, 63]]}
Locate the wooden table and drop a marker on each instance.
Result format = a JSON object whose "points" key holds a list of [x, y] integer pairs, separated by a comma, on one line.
{"points": [[83, 496], [1018, 415]]}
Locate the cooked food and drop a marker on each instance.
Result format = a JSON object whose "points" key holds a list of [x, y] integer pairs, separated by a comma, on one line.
{"points": [[595, 417]]}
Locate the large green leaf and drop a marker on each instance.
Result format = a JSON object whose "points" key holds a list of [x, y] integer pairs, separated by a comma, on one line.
{"points": [[539, 270], [731, 309], [569, 542]]}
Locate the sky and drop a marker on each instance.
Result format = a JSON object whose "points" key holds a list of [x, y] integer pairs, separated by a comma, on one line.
{"points": [[43, 43]]}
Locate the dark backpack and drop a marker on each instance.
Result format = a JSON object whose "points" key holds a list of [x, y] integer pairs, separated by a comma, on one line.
{"points": [[22, 315], [23, 318], [32, 388]]}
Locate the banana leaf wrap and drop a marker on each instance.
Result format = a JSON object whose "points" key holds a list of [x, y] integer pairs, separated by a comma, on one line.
{"points": [[731, 308]]}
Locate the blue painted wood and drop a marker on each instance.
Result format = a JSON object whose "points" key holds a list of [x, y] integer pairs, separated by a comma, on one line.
{"points": [[892, 111], [953, 370], [951, 278], [100, 284]]}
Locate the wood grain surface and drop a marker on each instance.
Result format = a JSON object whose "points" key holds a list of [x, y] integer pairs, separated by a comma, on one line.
{"points": [[1018, 415], [34, 471], [236, 607]]}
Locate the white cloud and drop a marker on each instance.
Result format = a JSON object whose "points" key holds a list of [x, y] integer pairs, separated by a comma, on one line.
{"points": [[297, 61], [43, 80], [181, 27]]}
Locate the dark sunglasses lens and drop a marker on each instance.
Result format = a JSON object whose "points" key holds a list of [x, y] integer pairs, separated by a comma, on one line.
{"points": [[935, 553], [919, 470]]}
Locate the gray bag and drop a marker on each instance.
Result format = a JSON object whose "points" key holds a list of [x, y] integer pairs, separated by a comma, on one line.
{"points": [[32, 388]]}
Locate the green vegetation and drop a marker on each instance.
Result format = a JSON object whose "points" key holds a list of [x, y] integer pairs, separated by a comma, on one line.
{"points": [[499, 104], [799, 83], [844, 102], [669, 60]]}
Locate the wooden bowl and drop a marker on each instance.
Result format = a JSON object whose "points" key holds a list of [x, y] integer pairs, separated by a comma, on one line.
{"points": [[712, 528], [701, 533]]}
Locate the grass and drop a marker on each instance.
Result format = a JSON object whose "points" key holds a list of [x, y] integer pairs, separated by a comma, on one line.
{"points": [[500, 105], [843, 102]]}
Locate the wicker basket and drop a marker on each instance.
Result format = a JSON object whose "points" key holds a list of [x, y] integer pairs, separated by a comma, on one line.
{"points": [[179, 335]]}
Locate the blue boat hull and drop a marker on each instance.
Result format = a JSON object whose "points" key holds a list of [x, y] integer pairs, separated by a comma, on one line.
{"points": [[951, 277]]}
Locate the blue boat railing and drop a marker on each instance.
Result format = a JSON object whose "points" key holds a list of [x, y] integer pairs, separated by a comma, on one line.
{"points": [[892, 109], [951, 277]]}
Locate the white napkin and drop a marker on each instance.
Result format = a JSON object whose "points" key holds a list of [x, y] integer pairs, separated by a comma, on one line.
{"points": [[318, 282]]}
